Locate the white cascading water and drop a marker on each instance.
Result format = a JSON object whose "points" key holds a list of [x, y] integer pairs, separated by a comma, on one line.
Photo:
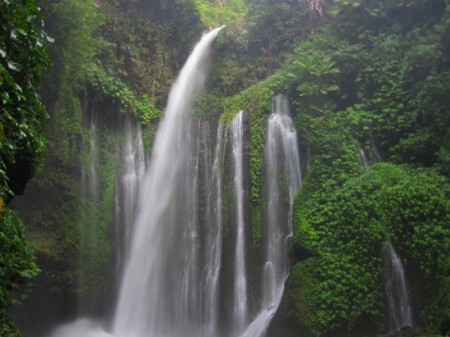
{"points": [[240, 310], [282, 158], [127, 190], [148, 301], [213, 237], [200, 239], [89, 217], [168, 268], [396, 290], [363, 157], [282, 165], [187, 289]]}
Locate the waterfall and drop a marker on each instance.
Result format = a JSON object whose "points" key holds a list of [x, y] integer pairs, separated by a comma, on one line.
{"points": [[153, 299], [283, 168], [213, 235], [374, 146], [198, 260], [127, 190], [362, 156], [283, 178], [88, 218], [188, 244], [240, 280], [396, 290]]}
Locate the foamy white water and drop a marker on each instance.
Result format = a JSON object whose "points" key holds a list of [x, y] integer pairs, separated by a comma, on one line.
{"points": [[80, 328]]}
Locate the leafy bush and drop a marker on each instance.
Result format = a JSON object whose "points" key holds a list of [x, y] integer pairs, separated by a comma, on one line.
{"points": [[340, 233], [22, 59], [17, 267]]}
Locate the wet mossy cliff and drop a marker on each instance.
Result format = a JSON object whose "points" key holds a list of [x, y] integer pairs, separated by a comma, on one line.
{"points": [[368, 84]]}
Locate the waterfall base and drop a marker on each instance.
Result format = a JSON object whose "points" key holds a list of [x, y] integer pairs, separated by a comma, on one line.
{"points": [[406, 331], [80, 328]]}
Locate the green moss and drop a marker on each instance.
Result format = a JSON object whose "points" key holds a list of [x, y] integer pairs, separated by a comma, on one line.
{"points": [[256, 225]]}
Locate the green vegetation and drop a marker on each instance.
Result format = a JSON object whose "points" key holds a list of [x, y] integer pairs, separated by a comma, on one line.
{"points": [[93, 225], [213, 13], [100, 60], [107, 62], [22, 115], [361, 75], [256, 102], [17, 268], [368, 82], [22, 59], [374, 79], [117, 90], [341, 233]]}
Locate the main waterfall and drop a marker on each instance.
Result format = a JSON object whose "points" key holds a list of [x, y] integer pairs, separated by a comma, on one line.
{"points": [[158, 296]]}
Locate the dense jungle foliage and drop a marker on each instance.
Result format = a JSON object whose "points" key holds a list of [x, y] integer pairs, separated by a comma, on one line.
{"points": [[22, 143], [368, 82]]}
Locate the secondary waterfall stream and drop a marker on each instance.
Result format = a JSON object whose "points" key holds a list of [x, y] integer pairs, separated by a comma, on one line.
{"points": [[396, 290], [127, 191], [283, 164], [89, 217], [240, 309], [283, 183]]}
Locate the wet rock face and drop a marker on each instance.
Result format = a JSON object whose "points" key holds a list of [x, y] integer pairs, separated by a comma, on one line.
{"points": [[20, 172]]}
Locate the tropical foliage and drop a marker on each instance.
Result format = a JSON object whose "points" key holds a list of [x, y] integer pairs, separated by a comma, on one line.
{"points": [[341, 235], [22, 59], [217, 12], [17, 267], [369, 85]]}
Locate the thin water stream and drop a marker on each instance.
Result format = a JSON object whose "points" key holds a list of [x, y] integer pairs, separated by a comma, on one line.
{"points": [[240, 309], [396, 290]]}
